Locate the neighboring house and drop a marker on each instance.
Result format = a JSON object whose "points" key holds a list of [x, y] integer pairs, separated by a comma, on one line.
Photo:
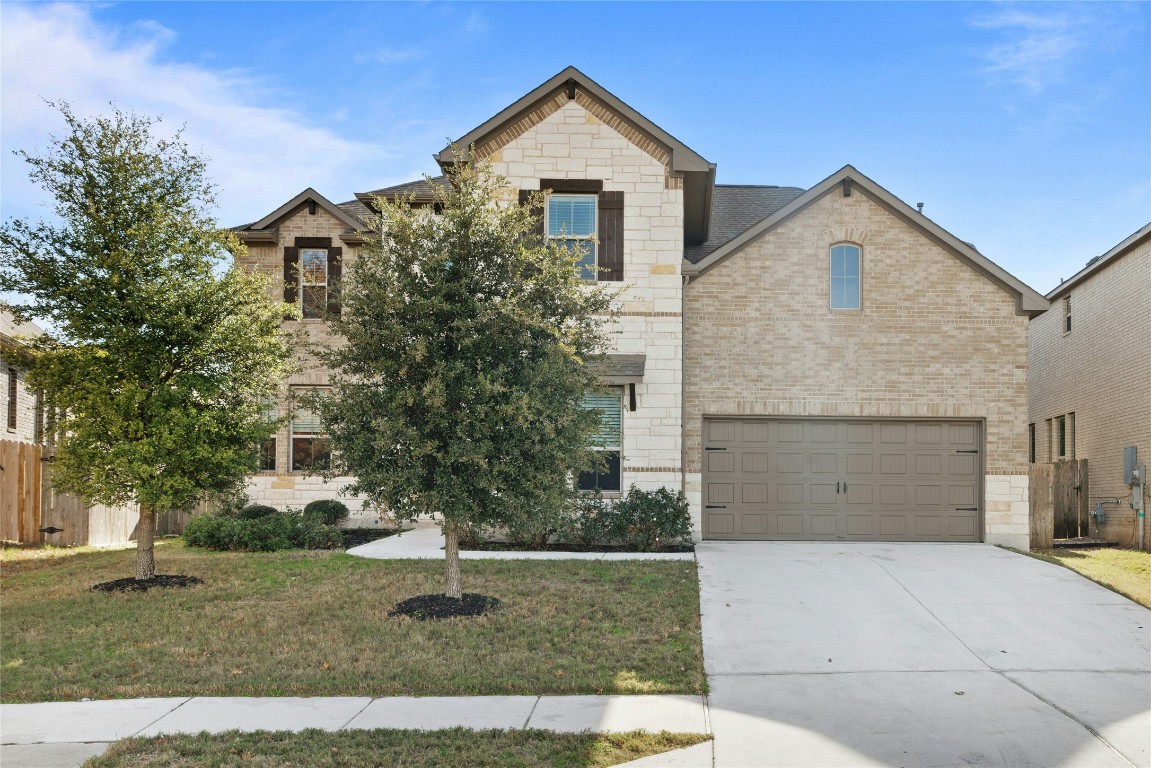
{"points": [[1090, 377], [804, 364], [20, 407]]}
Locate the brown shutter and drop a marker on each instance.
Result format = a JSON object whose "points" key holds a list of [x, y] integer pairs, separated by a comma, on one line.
{"points": [[335, 271], [291, 273], [610, 236], [537, 212]]}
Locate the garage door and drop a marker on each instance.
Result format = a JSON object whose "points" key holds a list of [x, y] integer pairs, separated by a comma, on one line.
{"points": [[804, 479]]}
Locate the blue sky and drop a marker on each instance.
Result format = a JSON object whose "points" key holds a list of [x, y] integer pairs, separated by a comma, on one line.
{"points": [[1023, 127]]}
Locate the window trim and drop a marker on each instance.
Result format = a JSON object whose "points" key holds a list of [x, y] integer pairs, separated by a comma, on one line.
{"points": [[592, 239], [859, 277], [304, 284], [13, 397], [619, 390], [303, 435]]}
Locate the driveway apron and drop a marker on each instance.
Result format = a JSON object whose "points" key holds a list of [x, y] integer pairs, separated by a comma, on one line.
{"points": [[860, 654]]}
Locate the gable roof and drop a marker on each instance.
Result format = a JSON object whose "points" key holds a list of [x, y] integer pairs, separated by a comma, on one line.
{"points": [[735, 208], [264, 230], [1027, 300], [698, 173], [1098, 263], [419, 191]]}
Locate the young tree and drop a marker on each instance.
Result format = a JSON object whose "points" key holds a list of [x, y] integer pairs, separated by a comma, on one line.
{"points": [[160, 357], [458, 390]]}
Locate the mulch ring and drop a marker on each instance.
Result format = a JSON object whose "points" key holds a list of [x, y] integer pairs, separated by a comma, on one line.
{"points": [[424, 607], [143, 585]]}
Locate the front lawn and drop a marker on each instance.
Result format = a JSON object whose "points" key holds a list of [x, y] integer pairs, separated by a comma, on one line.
{"points": [[412, 749], [309, 623], [1126, 571]]}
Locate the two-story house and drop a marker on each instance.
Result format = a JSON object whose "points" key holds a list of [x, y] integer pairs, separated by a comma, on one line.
{"points": [[1090, 373], [804, 364]]}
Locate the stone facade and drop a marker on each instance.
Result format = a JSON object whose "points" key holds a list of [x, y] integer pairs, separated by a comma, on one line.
{"points": [[572, 139], [1097, 377], [28, 405], [934, 339], [753, 335]]}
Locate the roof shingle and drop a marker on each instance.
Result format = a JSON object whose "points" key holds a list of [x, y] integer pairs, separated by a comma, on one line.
{"points": [[735, 208]]}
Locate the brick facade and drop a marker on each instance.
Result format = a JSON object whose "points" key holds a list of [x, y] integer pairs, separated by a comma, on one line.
{"points": [[1098, 375], [934, 338]]}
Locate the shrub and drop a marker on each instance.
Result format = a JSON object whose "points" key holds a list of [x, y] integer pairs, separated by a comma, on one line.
{"points": [[649, 520], [327, 511], [256, 511], [592, 521], [266, 533]]}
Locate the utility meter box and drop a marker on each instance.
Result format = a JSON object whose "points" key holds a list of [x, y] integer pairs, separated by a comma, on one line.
{"points": [[1130, 464]]}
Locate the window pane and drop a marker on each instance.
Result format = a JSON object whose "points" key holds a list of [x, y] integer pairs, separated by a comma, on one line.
{"points": [[586, 264], [608, 435], [315, 300], [851, 293], [571, 215], [837, 261], [311, 453], [313, 266], [837, 294], [268, 454], [610, 479], [306, 422]]}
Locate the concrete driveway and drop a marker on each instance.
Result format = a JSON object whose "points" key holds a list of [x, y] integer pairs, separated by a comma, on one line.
{"points": [[860, 654]]}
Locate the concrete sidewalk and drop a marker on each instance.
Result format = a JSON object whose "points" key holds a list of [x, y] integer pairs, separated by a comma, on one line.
{"points": [[426, 542], [67, 733]]}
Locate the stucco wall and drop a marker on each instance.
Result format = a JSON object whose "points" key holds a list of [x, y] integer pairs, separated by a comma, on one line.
{"points": [[934, 338], [1101, 373]]}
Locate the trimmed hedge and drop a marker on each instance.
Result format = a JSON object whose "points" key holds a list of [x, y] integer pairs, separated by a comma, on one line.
{"points": [[256, 511], [266, 533], [327, 511]]}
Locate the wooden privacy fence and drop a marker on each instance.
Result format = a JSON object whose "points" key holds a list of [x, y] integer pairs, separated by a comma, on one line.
{"points": [[1059, 495], [19, 491]]}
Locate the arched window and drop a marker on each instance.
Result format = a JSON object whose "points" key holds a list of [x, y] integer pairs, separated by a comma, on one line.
{"points": [[846, 275]]}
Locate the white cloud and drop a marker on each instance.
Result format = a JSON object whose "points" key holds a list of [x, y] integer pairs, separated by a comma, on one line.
{"points": [[260, 154], [1039, 45]]}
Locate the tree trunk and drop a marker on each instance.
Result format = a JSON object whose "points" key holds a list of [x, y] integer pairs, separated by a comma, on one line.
{"points": [[452, 559], [145, 538]]}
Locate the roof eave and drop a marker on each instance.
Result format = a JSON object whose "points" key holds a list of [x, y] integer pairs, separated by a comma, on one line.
{"points": [[308, 195], [1028, 301], [683, 158], [1138, 238]]}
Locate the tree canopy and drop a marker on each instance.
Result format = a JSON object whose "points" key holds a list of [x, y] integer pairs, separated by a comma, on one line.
{"points": [[160, 354], [468, 342]]}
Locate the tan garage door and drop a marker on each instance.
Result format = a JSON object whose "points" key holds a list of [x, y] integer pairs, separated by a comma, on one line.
{"points": [[801, 479]]}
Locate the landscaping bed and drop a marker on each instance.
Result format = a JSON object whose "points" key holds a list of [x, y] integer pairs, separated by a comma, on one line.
{"points": [[409, 748], [315, 623]]}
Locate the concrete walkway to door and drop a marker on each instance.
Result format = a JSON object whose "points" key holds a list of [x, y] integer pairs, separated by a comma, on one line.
{"points": [[853, 654]]}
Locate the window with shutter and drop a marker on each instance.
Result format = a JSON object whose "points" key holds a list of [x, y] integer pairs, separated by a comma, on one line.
{"points": [[581, 215], [312, 271], [607, 441]]}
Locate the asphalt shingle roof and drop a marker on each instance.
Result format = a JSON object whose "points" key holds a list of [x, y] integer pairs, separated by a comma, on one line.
{"points": [[735, 208]]}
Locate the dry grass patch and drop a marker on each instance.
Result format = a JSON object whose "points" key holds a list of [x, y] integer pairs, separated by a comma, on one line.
{"points": [[316, 624], [1126, 571], [412, 749]]}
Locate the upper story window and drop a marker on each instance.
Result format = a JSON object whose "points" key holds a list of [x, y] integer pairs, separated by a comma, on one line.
{"points": [[1067, 314], [312, 271], [12, 393], [845, 276], [313, 282], [571, 221]]}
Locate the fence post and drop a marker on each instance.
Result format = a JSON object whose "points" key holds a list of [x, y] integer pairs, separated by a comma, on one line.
{"points": [[1041, 505]]}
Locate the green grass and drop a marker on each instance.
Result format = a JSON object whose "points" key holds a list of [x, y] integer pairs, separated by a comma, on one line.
{"points": [[411, 749], [1126, 571], [316, 624]]}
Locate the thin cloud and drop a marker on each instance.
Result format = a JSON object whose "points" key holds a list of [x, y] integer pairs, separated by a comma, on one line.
{"points": [[1037, 50], [260, 155]]}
